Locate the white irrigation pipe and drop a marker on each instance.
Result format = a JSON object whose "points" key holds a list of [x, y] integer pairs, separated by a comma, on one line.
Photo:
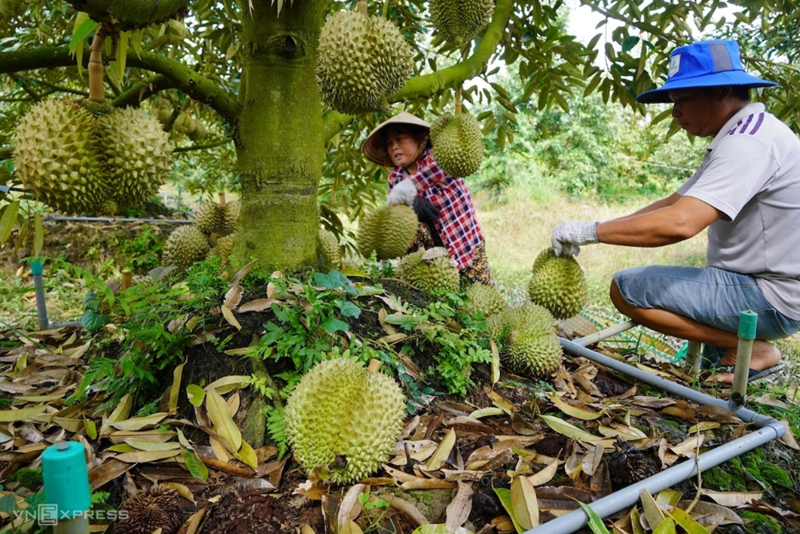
{"points": [[768, 430]]}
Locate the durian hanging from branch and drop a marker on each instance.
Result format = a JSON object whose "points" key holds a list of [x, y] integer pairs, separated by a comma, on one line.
{"points": [[459, 21], [84, 156], [362, 59], [457, 143]]}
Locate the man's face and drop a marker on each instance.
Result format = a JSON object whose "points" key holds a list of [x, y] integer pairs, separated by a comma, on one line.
{"points": [[699, 112]]}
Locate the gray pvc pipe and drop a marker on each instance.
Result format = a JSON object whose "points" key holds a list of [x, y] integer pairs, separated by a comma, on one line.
{"points": [[769, 430]]}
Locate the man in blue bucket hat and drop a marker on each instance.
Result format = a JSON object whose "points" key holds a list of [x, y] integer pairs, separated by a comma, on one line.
{"points": [[746, 192]]}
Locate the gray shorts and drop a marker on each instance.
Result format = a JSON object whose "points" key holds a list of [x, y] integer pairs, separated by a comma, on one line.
{"points": [[708, 295]]}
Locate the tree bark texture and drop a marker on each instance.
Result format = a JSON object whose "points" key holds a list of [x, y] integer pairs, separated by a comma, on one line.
{"points": [[281, 136]]}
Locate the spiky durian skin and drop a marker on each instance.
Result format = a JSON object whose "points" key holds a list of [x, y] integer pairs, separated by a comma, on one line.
{"points": [[430, 275], [457, 144], [460, 20], [184, 246], [230, 216], [530, 344], [136, 153], [485, 299], [130, 14], [558, 284], [329, 247], [209, 217], [362, 59], [222, 248], [339, 409], [389, 231], [55, 158]]}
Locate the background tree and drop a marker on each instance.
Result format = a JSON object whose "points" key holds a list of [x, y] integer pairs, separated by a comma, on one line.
{"points": [[248, 69]]}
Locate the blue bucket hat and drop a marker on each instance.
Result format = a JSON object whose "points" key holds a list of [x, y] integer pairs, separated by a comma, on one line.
{"points": [[703, 64]]}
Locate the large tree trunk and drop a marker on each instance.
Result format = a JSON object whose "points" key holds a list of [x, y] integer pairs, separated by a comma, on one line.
{"points": [[280, 137]]}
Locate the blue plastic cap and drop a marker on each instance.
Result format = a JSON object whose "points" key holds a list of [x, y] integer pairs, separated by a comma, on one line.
{"points": [[66, 479], [36, 267], [748, 321]]}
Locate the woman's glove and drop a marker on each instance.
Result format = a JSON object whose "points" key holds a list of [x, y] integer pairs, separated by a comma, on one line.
{"points": [[425, 210], [402, 193], [568, 235]]}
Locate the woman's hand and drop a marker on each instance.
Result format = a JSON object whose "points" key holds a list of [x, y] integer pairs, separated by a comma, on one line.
{"points": [[402, 193]]}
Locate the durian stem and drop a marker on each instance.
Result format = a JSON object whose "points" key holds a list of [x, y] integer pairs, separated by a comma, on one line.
{"points": [[127, 278], [374, 366], [95, 68], [362, 7], [458, 99], [385, 11], [221, 198]]}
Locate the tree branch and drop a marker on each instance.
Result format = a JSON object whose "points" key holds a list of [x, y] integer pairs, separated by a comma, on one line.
{"points": [[182, 77], [141, 91], [635, 23], [436, 82], [334, 123]]}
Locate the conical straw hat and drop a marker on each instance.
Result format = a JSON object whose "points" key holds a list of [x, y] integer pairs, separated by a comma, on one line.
{"points": [[373, 147]]}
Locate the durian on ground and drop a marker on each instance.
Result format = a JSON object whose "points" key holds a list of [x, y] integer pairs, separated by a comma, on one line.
{"points": [[429, 275], [528, 336], [344, 417], [558, 284]]}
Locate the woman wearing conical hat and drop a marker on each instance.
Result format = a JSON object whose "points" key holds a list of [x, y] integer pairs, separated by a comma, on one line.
{"points": [[442, 202]]}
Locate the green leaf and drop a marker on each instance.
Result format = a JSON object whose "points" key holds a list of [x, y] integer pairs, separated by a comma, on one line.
{"points": [[196, 394], [667, 526], [38, 234], [8, 504], [504, 495], [84, 26], [629, 42], [332, 325], [595, 523], [686, 522], [196, 467], [348, 309], [91, 428], [93, 320], [136, 41], [7, 220], [122, 56], [220, 415]]}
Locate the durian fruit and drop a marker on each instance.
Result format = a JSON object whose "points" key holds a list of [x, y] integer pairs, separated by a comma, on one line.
{"points": [[485, 299], [209, 217], [460, 20], [362, 59], [389, 231], [162, 109], [11, 8], [344, 417], [198, 132], [136, 153], [329, 245], [230, 216], [457, 144], [129, 14], [222, 248], [55, 158], [148, 510], [184, 246], [528, 335], [429, 274], [558, 284]]}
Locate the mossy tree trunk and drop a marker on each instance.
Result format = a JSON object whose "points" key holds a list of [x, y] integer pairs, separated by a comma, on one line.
{"points": [[281, 136]]}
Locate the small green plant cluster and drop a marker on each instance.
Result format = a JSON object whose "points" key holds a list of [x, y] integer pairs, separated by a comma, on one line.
{"points": [[142, 253], [153, 324]]}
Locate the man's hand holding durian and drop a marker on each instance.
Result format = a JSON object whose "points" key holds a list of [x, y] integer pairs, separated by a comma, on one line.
{"points": [[568, 236]]}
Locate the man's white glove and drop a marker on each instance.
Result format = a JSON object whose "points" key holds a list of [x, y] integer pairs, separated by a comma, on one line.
{"points": [[402, 193], [568, 235]]}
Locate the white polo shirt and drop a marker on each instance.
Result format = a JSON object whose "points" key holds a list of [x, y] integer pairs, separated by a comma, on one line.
{"points": [[751, 173]]}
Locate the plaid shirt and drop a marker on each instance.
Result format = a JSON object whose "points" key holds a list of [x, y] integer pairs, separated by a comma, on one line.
{"points": [[457, 225]]}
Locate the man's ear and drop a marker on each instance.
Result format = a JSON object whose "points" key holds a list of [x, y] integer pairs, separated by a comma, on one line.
{"points": [[721, 93]]}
